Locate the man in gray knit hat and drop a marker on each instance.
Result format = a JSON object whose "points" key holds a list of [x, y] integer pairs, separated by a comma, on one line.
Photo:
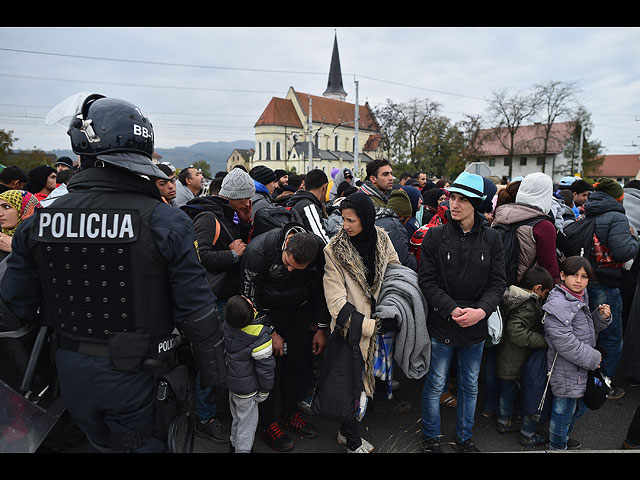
{"points": [[222, 226]]}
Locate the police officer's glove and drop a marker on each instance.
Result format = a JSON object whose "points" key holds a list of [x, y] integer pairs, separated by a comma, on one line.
{"points": [[261, 396], [204, 331]]}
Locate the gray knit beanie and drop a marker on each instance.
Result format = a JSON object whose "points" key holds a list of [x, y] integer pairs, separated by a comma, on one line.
{"points": [[237, 184]]}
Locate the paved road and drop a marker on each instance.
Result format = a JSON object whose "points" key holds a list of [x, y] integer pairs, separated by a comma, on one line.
{"points": [[601, 430]]}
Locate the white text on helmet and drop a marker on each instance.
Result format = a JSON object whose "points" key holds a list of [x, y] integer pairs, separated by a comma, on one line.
{"points": [[142, 131]]}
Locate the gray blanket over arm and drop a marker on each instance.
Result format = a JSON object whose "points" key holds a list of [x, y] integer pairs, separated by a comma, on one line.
{"points": [[400, 298]]}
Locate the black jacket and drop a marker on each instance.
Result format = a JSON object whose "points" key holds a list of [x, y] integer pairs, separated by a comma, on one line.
{"points": [[612, 229], [389, 220], [283, 295], [311, 211], [461, 270], [218, 258]]}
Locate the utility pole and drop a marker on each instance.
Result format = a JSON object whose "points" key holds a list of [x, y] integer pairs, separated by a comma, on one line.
{"points": [[310, 161], [580, 152], [355, 140]]}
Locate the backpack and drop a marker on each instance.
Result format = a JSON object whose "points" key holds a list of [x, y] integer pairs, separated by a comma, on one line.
{"points": [[511, 246], [268, 218], [415, 242], [580, 234]]}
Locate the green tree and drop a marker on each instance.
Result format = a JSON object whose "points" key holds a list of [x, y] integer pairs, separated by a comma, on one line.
{"points": [[439, 147], [204, 167], [591, 148], [6, 145]]}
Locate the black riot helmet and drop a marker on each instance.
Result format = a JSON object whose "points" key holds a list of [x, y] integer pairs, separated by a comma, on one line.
{"points": [[114, 131]]}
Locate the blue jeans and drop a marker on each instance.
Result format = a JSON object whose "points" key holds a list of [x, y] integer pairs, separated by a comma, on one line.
{"points": [[508, 394], [609, 339], [564, 413], [491, 381], [206, 411], [469, 360], [509, 391]]}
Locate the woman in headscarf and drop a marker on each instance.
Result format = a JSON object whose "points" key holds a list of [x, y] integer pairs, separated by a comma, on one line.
{"points": [[356, 259], [42, 181], [15, 207]]}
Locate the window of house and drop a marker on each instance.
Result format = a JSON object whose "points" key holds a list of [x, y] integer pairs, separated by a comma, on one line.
{"points": [[523, 161], [268, 148], [492, 162], [278, 151], [335, 143], [540, 161], [507, 162]]}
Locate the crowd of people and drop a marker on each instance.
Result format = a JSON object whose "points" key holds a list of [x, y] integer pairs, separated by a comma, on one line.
{"points": [[390, 271]]}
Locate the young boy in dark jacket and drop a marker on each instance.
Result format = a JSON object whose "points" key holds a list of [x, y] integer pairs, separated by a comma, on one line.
{"points": [[522, 312], [250, 369]]}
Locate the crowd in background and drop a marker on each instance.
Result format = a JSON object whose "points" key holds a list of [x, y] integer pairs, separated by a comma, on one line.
{"points": [[333, 270]]}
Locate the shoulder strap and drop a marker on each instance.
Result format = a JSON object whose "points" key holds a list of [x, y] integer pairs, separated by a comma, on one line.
{"points": [[217, 234]]}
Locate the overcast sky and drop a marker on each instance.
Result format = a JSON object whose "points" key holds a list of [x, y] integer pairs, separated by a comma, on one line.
{"points": [[211, 84]]}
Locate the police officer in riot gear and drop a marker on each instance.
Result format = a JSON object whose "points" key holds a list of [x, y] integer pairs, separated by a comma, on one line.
{"points": [[114, 272]]}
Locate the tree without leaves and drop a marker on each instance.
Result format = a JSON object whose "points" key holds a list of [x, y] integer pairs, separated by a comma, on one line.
{"points": [[403, 124], [509, 113], [557, 100]]}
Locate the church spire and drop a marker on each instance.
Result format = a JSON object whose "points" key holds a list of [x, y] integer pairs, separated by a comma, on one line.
{"points": [[334, 86]]}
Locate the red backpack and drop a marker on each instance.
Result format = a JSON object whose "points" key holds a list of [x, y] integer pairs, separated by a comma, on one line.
{"points": [[416, 239]]}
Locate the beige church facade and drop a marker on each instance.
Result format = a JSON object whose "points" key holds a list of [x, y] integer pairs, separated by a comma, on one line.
{"points": [[283, 131]]}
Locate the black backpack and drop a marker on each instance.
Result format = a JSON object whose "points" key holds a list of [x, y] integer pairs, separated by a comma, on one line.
{"points": [[511, 246], [580, 236], [268, 218]]}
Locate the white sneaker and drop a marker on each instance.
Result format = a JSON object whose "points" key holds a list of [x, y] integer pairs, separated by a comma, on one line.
{"points": [[365, 447]]}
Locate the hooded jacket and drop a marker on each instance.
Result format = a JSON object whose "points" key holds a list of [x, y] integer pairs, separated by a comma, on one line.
{"points": [[249, 357], [571, 331], [312, 213], [338, 179], [217, 258], [522, 314], [537, 243], [262, 198], [460, 269], [612, 229]]}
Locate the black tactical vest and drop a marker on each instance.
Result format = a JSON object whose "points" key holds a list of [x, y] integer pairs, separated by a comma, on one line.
{"points": [[99, 266]]}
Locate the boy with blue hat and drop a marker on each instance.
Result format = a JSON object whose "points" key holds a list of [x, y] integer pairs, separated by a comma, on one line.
{"points": [[462, 277]]}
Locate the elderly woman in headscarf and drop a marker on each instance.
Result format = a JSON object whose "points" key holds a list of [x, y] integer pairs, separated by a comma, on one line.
{"points": [[15, 207], [356, 260]]}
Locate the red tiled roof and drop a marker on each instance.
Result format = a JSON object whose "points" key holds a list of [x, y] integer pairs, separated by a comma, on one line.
{"points": [[617, 166], [280, 111], [373, 142], [529, 139], [332, 111]]}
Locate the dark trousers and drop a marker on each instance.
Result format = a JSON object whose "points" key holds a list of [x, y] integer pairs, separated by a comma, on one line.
{"points": [[108, 404], [351, 431], [292, 370]]}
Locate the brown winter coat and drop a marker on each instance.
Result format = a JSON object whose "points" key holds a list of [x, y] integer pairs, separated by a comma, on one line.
{"points": [[345, 281]]}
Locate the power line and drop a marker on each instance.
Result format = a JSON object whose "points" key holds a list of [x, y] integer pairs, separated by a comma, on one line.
{"points": [[169, 64], [135, 84]]}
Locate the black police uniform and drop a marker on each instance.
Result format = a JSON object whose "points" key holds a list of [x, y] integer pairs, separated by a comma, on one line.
{"points": [[113, 270]]}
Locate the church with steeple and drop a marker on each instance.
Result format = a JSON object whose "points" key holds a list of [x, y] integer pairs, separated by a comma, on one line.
{"points": [[286, 138]]}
